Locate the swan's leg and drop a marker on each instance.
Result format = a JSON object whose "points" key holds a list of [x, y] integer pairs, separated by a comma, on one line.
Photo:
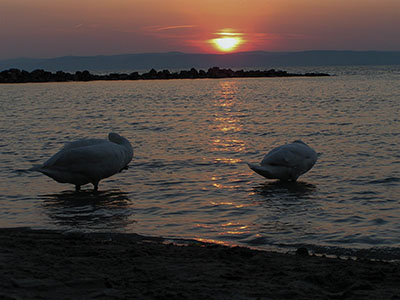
{"points": [[77, 188]]}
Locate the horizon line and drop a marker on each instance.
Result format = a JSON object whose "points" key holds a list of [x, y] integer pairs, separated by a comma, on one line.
{"points": [[192, 53]]}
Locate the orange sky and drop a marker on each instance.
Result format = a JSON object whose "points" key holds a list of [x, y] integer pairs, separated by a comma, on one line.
{"points": [[48, 28]]}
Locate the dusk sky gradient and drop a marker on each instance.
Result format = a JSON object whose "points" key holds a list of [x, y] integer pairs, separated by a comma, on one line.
{"points": [[51, 28]]}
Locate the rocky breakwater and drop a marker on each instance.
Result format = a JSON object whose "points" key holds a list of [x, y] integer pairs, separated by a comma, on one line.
{"points": [[21, 76]]}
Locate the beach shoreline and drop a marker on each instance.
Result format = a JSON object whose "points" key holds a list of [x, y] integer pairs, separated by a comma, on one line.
{"points": [[50, 264]]}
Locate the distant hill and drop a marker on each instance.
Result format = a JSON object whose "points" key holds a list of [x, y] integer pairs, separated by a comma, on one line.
{"points": [[178, 60]]}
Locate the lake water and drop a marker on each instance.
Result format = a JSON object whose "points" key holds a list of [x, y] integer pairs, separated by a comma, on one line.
{"points": [[192, 139]]}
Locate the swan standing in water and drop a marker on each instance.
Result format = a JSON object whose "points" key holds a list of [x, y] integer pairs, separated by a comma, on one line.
{"points": [[286, 162], [89, 160]]}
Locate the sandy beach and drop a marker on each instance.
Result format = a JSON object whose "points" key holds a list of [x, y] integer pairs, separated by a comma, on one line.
{"points": [[43, 264]]}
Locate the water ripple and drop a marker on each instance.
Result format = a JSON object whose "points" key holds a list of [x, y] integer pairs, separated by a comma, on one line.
{"points": [[188, 178]]}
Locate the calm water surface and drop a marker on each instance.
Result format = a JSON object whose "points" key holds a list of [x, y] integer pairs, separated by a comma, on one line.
{"points": [[192, 139]]}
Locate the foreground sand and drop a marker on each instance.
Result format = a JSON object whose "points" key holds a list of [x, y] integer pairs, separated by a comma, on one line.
{"points": [[51, 265]]}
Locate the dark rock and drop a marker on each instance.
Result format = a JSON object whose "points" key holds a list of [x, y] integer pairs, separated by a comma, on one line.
{"points": [[39, 75], [302, 251], [134, 76]]}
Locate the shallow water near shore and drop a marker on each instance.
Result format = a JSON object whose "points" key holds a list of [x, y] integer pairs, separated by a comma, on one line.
{"points": [[192, 139]]}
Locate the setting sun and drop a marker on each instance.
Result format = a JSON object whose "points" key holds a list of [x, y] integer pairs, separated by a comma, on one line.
{"points": [[228, 42]]}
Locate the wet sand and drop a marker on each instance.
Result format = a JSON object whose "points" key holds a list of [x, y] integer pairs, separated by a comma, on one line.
{"points": [[44, 264]]}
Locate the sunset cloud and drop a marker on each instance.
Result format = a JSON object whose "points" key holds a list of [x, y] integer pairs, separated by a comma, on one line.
{"points": [[176, 27]]}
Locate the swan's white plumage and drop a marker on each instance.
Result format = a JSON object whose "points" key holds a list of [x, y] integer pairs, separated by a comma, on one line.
{"points": [[286, 162], [89, 160]]}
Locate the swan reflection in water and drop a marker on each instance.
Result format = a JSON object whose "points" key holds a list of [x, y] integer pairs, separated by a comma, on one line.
{"points": [[284, 211], [285, 189], [105, 210]]}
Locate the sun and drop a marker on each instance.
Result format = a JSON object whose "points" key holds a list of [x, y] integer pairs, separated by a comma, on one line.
{"points": [[228, 42]]}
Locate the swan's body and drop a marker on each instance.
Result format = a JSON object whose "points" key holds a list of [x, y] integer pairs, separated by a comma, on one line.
{"points": [[89, 160], [286, 162]]}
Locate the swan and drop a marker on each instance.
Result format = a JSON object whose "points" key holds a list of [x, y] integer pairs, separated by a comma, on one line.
{"points": [[88, 160], [286, 162]]}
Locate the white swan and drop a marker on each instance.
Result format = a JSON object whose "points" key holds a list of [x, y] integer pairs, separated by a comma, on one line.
{"points": [[286, 162], [89, 160]]}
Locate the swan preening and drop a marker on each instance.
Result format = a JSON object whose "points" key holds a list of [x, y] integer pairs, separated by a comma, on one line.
{"points": [[89, 160], [286, 162]]}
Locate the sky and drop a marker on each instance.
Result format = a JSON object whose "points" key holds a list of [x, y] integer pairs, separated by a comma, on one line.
{"points": [[52, 28]]}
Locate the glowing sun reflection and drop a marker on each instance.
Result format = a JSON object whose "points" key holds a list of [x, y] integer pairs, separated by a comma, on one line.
{"points": [[225, 116], [228, 145], [229, 204], [226, 124]]}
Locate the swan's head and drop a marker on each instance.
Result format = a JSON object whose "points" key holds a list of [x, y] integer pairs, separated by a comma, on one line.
{"points": [[117, 139], [299, 142]]}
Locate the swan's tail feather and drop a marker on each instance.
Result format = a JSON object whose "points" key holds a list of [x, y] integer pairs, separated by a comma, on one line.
{"points": [[260, 170], [35, 168]]}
